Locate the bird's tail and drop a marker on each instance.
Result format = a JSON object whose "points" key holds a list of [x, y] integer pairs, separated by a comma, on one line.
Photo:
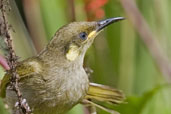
{"points": [[104, 93], [101, 93]]}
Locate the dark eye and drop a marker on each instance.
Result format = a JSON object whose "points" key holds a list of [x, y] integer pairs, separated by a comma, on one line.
{"points": [[83, 35]]}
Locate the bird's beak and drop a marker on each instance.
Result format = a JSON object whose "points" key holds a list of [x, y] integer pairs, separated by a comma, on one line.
{"points": [[104, 23]]}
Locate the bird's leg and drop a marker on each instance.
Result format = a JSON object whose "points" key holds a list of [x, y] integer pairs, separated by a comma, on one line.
{"points": [[92, 109], [94, 105]]}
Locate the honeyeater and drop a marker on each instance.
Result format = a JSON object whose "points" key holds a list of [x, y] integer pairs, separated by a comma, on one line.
{"points": [[54, 80]]}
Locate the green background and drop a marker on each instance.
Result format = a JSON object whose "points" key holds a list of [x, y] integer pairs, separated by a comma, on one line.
{"points": [[118, 57]]}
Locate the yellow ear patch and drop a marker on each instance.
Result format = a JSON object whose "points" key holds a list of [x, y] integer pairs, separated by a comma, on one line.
{"points": [[73, 52]]}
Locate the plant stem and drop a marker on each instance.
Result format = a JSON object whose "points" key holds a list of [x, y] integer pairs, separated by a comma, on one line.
{"points": [[148, 37], [12, 58]]}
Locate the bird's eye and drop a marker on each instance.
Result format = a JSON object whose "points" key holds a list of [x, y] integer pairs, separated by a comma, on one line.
{"points": [[83, 35]]}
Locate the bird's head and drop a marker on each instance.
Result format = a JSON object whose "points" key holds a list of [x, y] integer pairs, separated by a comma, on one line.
{"points": [[75, 38]]}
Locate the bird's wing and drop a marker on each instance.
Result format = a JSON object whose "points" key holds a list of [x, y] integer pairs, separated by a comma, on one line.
{"points": [[24, 69], [104, 93]]}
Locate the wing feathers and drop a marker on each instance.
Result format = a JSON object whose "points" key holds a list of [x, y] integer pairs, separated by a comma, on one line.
{"points": [[104, 94]]}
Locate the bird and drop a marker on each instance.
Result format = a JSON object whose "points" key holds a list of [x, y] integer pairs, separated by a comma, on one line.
{"points": [[54, 80]]}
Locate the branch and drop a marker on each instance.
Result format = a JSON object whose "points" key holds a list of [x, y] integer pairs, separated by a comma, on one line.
{"points": [[12, 59], [148, 37]]}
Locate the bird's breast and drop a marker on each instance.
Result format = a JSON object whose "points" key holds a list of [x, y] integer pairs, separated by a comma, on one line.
{"points": [[66, 88]]}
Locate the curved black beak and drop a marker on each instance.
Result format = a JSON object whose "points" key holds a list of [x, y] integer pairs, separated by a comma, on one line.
{"points": [[104, 23]]}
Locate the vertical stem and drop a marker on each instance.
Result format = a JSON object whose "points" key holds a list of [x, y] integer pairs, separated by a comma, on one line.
{"points": [[34, 22], [71, 10], [148, 37]]}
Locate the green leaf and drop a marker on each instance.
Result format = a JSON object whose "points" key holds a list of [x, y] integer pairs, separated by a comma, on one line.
{"points": [[53, 14], [2, 108], [156, 101], [78, 109]]}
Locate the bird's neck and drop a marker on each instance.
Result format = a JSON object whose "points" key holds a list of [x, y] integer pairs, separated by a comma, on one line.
{"points": [[57, 57]]}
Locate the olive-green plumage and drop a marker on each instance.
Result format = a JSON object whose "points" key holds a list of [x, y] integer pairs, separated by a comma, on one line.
{"points": [[54, 81]]}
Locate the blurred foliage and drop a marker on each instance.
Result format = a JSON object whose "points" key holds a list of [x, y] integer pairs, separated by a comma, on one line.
{"points": [[118, 57], [2, 108], [156, 101]]}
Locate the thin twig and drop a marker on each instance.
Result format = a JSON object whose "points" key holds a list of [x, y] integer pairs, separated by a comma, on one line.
{"points": [[12, 60], [148, 37]]}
